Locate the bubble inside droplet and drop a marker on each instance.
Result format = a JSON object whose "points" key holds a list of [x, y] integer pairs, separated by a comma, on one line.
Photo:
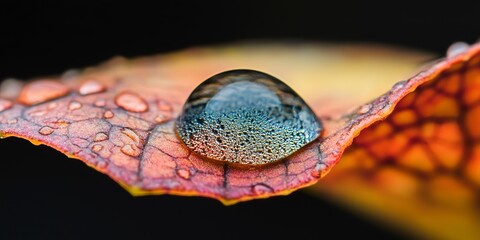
{"points": [[246, 117]]}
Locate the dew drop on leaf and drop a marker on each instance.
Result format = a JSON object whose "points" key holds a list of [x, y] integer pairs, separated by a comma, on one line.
{"points": [[91, 87], [246, 117], [46, 130], [131, 102]]}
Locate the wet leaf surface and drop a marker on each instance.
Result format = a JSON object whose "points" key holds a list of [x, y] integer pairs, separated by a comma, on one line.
{"points": [[118, 117]]}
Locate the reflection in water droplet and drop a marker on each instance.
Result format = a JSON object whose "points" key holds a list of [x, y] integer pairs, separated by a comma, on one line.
{"points": [[91, 87], [41, 91], [246, 117], [74, 105], [131, 150], [97, 148], [131, 102], [5, 104], [46, 130], [101, 136], [457, 48], [183, 173], [261, 189], [108, 114]]}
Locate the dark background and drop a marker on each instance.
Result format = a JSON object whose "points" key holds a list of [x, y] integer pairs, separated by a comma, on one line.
{"points": [[44, 195]]}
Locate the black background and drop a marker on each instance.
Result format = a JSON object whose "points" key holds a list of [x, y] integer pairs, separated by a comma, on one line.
{"points": [[44, 195]]}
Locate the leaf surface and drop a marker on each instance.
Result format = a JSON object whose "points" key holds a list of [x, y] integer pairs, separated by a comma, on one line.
{"points": [[118, 117]]}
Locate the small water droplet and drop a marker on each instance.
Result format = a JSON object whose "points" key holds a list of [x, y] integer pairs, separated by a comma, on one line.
{"points": [[101, 164], [131, 150], [108, 114], [5, 104], [246, 117], [131, 102], [101, 136], [91, 87], [398, 85], [10, 87], [97, 148], [100, 103], [183, 173], [41, 91], [132, 135], [37, 113], [457, 48], [52, 105], [12, 121], [46, 130], [160, 118], [261, 189], [317, 171], [74, 105], [364, 109]]}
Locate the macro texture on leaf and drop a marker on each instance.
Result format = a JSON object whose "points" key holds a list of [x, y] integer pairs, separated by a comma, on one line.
{"points": [[419, 169], [119, 117]]}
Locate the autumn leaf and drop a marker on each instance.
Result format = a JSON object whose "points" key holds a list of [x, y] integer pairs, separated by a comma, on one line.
{"points": [[418, 169], [119, 117]]}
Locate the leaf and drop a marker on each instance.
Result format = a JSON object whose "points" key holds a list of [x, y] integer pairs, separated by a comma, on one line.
{"points": [[118, 117], [419, 169]]}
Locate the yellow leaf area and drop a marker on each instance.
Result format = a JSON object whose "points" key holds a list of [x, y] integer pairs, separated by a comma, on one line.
{"points": [[419, 169], [118, 117]]}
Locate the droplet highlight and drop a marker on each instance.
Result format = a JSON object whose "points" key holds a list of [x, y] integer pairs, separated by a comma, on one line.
{"points": [[131, 102], [91, 87], [246, 117], [46, 130], [41, 91], [97, 148], [457, 48]]}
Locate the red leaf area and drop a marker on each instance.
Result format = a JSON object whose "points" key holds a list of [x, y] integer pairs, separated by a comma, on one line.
{"points": [[119, 117]]}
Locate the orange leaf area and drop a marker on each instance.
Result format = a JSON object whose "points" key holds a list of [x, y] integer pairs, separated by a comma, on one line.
{"points": [[419, 169], [119, 117]]}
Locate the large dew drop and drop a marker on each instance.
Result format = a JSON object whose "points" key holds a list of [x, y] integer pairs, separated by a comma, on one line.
{"points": [[246, 117]]}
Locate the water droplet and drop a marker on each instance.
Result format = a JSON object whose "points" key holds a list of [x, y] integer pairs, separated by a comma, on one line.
{"points": [[246, 117], [364, 109], [131, 150], [261, 189], [131, 102], [38, 113], [183, 173], [91, 87], [10, 87], [101, 164], [101, 136], [108, 114], [317, 171], [41, 91], [5, 104], [74, 105], [97, 148], [132, 135], [160, 118], [457, 48], [398, 85], [46, 130], [100, 103], [12, 121]]}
